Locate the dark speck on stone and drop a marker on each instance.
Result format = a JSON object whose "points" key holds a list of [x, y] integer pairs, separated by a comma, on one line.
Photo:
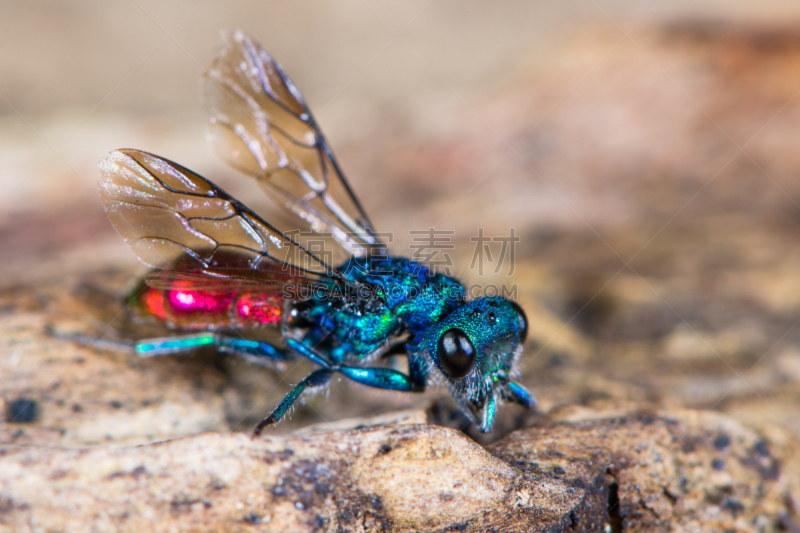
{"points": [[22, 410], [559, 471], [252, 519], [717, 464], [384, 449], [722, 442], [762, 449], [734, 506], [285, 454]]}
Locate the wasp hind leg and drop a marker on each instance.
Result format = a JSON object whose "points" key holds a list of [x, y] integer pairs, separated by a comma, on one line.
{"points": [[95, 342], [254, 351]]}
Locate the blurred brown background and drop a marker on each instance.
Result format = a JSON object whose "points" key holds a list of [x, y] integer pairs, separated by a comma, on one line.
{"points": [[645, 152]]}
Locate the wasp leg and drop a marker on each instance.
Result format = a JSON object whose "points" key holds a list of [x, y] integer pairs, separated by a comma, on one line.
{"points": [[519, 394], [95, 342], [255, 351], [308, 352], [380, 378], [416, 366], [318, 378], [417, 372], [489, 410]]}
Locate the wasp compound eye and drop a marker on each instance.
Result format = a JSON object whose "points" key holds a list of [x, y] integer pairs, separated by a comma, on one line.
{"points": [[523, 322], [456, 353]]}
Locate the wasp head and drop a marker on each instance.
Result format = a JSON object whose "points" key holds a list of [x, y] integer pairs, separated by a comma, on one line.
{"points": [[475, 349]]}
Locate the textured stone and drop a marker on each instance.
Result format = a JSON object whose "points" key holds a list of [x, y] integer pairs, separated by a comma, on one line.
{"points": [[579, 470]]}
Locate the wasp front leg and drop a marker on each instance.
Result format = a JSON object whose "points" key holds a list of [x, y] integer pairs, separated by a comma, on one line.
{"points": [[518, 394], [417, 370]]}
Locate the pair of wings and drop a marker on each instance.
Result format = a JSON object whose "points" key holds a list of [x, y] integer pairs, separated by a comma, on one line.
{"points": [[261, 125]]}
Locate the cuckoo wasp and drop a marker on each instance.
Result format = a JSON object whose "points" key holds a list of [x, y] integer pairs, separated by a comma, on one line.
{"points": [[222, 271]]}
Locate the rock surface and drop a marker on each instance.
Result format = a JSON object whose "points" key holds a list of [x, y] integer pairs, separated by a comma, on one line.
{"points": [[603, 469], [652, 178]]}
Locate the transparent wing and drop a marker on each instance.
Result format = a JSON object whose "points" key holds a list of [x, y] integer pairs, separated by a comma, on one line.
{"points": [[169, 215], [261, 125]]}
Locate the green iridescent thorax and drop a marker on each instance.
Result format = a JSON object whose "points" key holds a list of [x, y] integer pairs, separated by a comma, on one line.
{"points": [[407, 298], [417, 296]]}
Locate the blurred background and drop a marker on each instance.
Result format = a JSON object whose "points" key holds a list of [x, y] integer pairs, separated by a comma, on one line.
{"points": [[645, 152]]}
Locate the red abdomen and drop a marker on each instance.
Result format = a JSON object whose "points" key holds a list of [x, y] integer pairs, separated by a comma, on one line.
{"points": [[211, 309]]}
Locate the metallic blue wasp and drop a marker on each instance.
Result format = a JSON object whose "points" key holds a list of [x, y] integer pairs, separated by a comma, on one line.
{"points": [[222, 271]]}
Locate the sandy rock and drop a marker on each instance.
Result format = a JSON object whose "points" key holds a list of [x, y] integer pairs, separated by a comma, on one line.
{"points": [[680, 470], [579, 470]]}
